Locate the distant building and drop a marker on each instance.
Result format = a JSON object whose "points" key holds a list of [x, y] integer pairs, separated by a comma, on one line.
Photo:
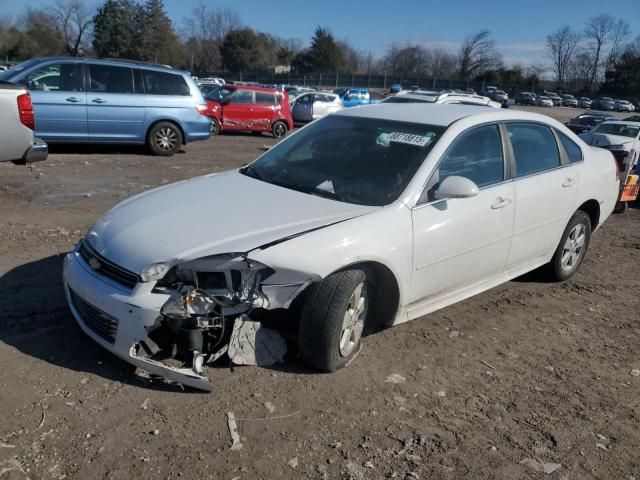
{"points": [[282, 69]]}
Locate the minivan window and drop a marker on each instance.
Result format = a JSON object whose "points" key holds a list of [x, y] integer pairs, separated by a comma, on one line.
{"points": [[265, 98], [534, 147], [64, 77], [110, 79], [163, 83]]}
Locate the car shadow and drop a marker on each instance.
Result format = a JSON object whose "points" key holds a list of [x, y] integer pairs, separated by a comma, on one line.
{"points": [[35, 320], [86, 149]]}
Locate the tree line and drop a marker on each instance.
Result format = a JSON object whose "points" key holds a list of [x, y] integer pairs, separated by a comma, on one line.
{"points": [[215, 40]]}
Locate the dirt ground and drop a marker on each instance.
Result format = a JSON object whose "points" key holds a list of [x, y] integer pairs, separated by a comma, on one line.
{"points": [[527, 377]]}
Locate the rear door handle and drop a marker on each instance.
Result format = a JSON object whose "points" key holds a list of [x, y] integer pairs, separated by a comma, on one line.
{"points": [[569, 182], [98, 100], [500, 203], [73, 99]]}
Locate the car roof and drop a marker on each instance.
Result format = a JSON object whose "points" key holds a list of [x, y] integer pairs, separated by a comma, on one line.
{"points": [[436, 114], [622, 122], [256, 89], [114, 61]]}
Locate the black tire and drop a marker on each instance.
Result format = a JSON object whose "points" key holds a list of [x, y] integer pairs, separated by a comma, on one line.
{"points": [[164, 139], [560, 270], [620, 207], [215, 126], [323, 320], [279, 129]]}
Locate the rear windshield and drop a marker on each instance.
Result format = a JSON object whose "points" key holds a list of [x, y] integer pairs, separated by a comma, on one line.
{"points": [[349, 159]]}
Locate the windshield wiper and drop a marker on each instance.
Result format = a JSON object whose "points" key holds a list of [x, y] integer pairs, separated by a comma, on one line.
{"points": [[251, 172], [311, 190]]}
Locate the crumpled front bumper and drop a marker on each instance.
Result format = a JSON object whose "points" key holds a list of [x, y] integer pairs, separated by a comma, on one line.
{"points": [[134, 311]]}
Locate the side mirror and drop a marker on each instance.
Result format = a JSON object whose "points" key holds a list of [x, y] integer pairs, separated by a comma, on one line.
{"points": [[226, 101], [456, 187]]}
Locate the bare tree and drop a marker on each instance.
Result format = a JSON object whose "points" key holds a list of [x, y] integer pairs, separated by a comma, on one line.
{"points": [[73, 21], [618, 37], [597, 31], [561, 45], [443, 64], [477, 54], [203, 33], [406, 60]]}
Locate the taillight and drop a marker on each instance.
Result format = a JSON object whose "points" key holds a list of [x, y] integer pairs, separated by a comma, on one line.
{"points": [[202, 109], [25, 110]]}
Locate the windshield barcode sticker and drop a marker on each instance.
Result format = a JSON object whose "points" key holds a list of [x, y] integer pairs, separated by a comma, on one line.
{"points": [[409, 139]]}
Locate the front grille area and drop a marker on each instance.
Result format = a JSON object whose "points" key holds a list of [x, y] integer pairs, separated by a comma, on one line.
{"points": [[106, 268], [103, 325]]}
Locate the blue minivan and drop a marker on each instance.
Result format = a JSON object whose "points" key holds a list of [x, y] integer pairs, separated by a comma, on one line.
{"points": [[112, 101]]}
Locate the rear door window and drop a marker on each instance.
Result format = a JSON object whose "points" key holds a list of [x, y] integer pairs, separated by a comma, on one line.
{"points": [[534, 147], [164, 83], [263, 98], [63, 77], [241, 96], [110, 79]]}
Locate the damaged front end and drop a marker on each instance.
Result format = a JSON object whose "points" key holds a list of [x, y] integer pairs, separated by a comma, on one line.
{"points": [[209, 301]]}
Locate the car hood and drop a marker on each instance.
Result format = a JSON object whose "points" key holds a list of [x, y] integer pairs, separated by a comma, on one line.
{"points": [[218, 213], [604, 140]]}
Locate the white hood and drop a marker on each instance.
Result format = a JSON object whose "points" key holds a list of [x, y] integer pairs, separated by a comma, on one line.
{"points": [[604, 140], [218, 213]]}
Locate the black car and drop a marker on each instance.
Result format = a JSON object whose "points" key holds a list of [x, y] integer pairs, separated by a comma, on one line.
{"points": [[632, 118], [525, 98], [586, 121], [604, 103]]}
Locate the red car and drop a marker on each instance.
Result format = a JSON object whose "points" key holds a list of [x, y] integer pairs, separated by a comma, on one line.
{"points": [[250, 109]]}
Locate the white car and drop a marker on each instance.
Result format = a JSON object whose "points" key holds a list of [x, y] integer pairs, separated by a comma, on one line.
{"points": [[624, 106], [425, 96], [544, 101], [314, 105], [621, 138], [369, 217]]}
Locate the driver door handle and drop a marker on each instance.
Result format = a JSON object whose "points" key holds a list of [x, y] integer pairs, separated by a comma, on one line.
{"points": [[73, 99], [98, 100], [569, 182], [500, 203]]}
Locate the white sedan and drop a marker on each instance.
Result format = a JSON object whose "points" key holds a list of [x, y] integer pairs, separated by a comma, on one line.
{"points": [[366, 218]]}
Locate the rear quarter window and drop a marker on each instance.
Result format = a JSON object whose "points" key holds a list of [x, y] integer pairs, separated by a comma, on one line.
{"points": [[265, 98], [574, 152], [164, 83]]}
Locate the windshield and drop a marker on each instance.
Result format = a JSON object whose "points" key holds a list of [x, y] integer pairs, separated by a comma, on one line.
{"points": [[349, 159], [404, 99], [7, 74], [617, 129]]}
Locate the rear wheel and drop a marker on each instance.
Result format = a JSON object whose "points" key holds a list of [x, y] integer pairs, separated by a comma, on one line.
{"points": [[164, 139], [572, 248], [215, 126], [279, 129], [333, 319]]}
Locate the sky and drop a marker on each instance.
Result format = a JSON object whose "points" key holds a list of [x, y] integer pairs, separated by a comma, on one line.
{"points": [[519, 28]]}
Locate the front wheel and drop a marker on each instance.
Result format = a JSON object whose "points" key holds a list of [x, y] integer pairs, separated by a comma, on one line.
{"points": [[572, 248], [164, 139], [333, 319], [279, 129]]}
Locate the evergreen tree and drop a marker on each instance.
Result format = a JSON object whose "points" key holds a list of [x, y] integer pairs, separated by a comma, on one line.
{"points": [[117, 32], [325, 54], [242, 50], [159, 40]]}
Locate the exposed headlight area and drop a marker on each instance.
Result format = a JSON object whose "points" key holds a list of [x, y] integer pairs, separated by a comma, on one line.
{"points": [[205, 297]]}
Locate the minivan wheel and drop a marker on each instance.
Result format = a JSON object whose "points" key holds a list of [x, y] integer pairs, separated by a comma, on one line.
{"points": [[279, 129], [333, 318], [164, 139], [572, 248]]}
